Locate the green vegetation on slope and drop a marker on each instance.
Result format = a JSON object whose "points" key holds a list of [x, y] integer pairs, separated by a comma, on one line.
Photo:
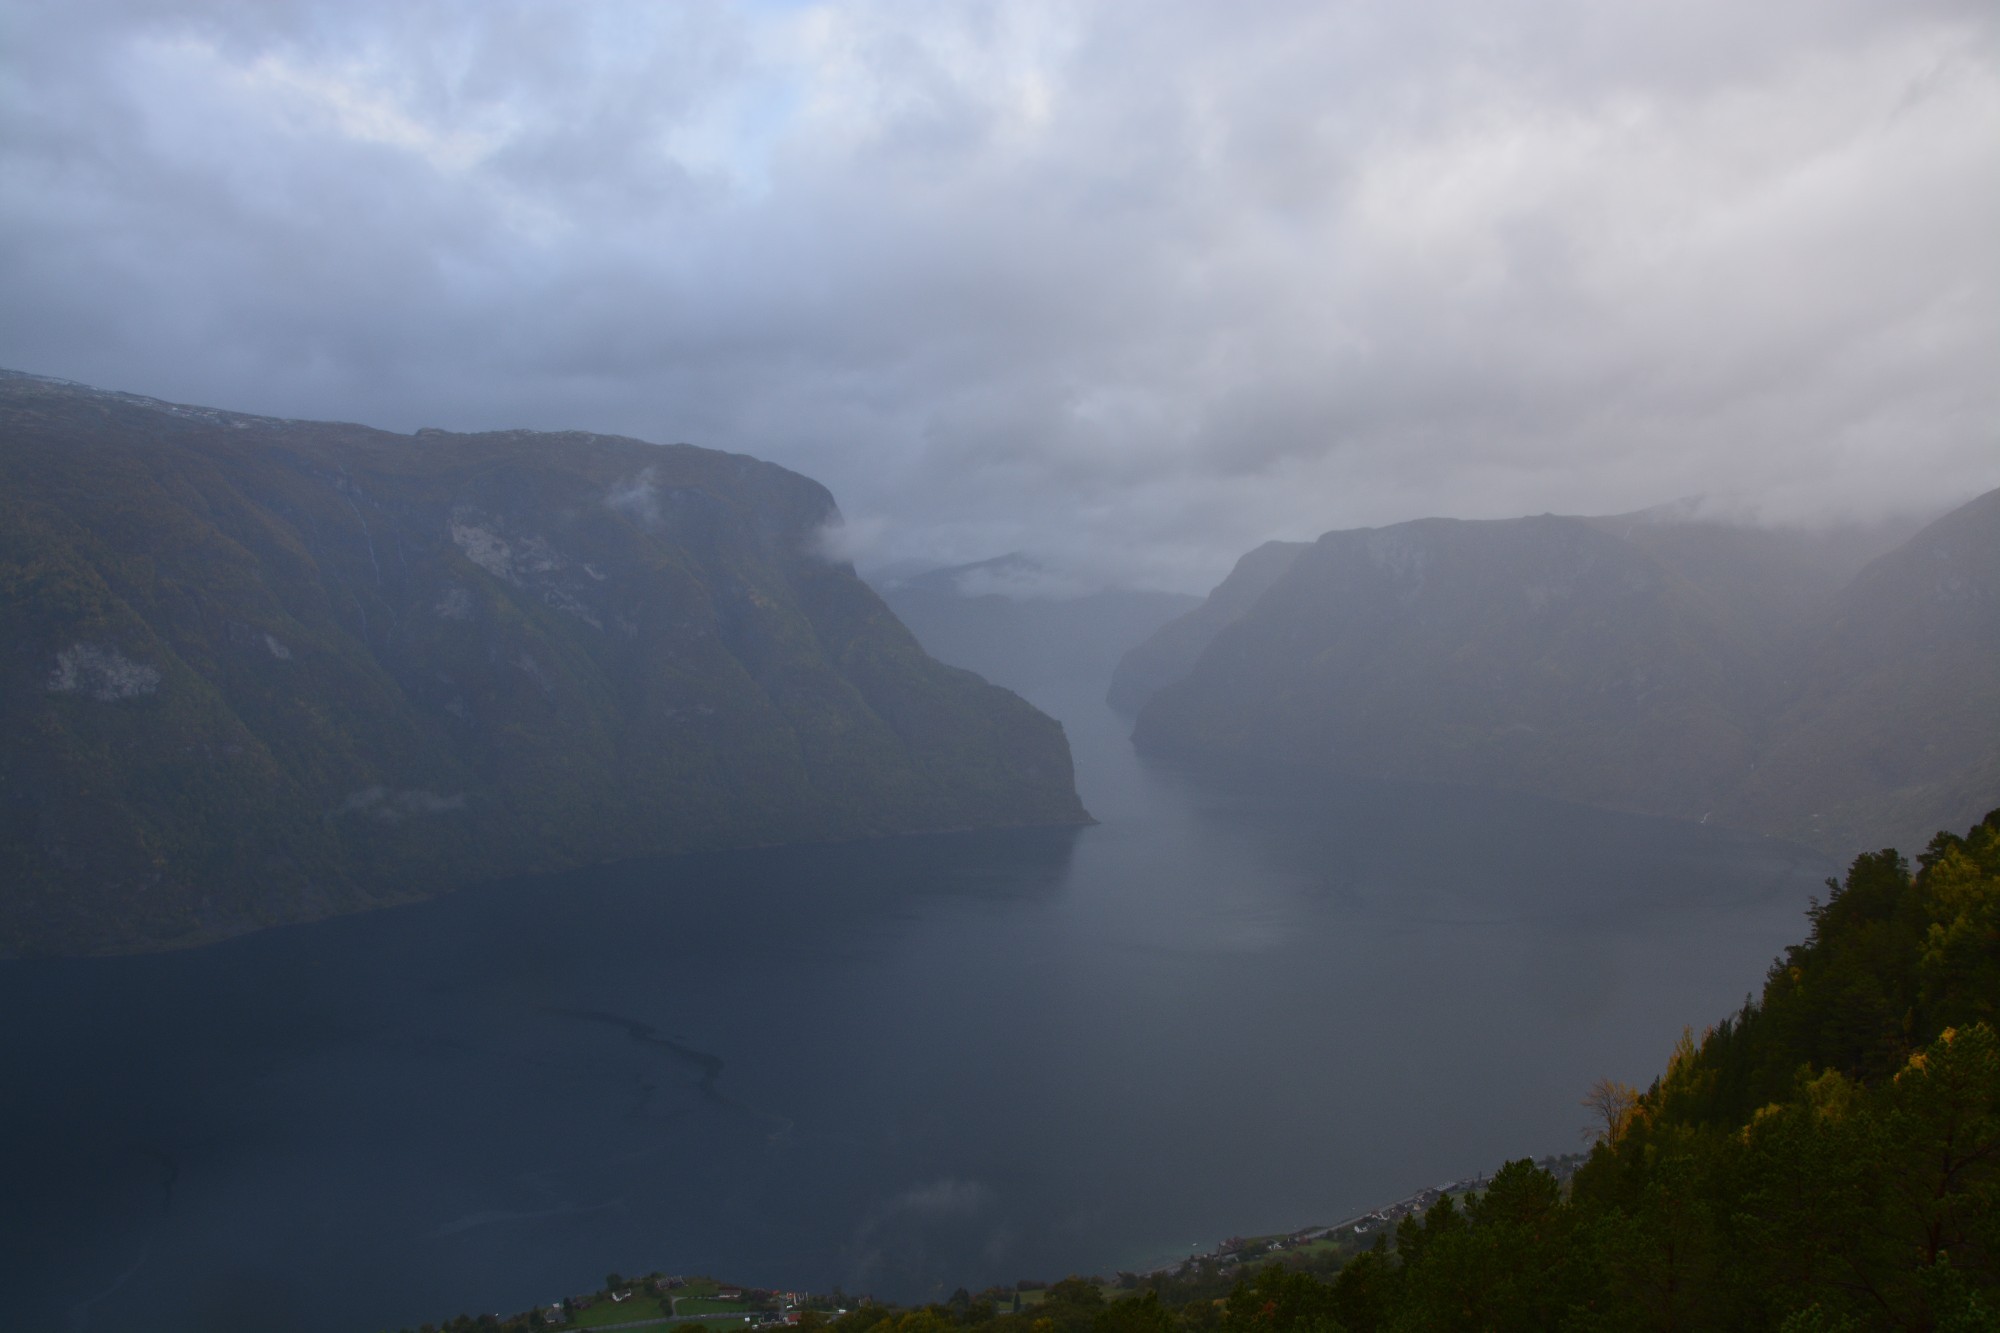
{"points": [[255, 671]]}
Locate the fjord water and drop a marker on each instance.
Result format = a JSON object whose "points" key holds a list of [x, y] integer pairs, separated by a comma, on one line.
{"points": [[898, 1067]]}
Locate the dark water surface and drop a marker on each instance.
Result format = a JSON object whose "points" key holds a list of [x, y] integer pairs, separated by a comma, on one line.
{"points": [[899, 1067]]}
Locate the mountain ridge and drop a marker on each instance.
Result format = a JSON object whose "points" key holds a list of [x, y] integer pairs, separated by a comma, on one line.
{"points": [[262, 671]]}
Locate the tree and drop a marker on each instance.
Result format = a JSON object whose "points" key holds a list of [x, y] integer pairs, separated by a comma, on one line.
{"points": [[1611, 1105], [1134, 1314], [1075, 1291]]}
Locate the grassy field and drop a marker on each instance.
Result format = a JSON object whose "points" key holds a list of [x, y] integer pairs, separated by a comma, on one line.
{"points": [[641, 1306], [1030, 1299], [696, 1298], [728, 1314]]}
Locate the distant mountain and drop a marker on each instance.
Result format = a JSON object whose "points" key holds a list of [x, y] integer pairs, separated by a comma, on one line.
{"points": [[1024, 626], [255, 671], [1172, 652], [1640, 663], [1895, 722], [1534, 653]]}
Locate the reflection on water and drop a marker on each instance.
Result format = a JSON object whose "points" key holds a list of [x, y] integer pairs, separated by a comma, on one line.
{"points": [[898, 1067]]}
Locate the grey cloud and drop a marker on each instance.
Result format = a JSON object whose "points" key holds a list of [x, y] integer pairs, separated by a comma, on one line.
{"points": [[104, 674], [394, 806], [1128, 286], [637, 497]]}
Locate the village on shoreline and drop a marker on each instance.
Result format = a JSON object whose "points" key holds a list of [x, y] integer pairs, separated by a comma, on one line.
{"points": [[1239, 1252], [660, 1300]]}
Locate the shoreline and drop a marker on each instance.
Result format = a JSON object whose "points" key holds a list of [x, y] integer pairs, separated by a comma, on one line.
{"points": [[1238, 1251]]}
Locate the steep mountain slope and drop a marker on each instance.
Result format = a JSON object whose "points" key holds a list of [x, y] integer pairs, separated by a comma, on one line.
{"points": [[256, 670], [1175, 647], [1537, 653], [1895, 725], [1010, 620]]}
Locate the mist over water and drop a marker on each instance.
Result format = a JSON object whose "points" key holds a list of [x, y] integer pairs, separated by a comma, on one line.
{"points": [[898, 1067]]}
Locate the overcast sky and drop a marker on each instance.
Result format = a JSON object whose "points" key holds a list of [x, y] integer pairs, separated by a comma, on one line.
{"points": [[1128, 285]]}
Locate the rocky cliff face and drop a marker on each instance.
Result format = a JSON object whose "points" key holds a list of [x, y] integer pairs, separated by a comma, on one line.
{"points": [[255, 671]]}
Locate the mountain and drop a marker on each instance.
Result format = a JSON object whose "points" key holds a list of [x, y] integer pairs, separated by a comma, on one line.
{"points": [[1895, 724], [1024, 626], [1773, 586], [255, 671], [1173, 650], [1769, 584], [1641, 662], [1537, 653]]}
